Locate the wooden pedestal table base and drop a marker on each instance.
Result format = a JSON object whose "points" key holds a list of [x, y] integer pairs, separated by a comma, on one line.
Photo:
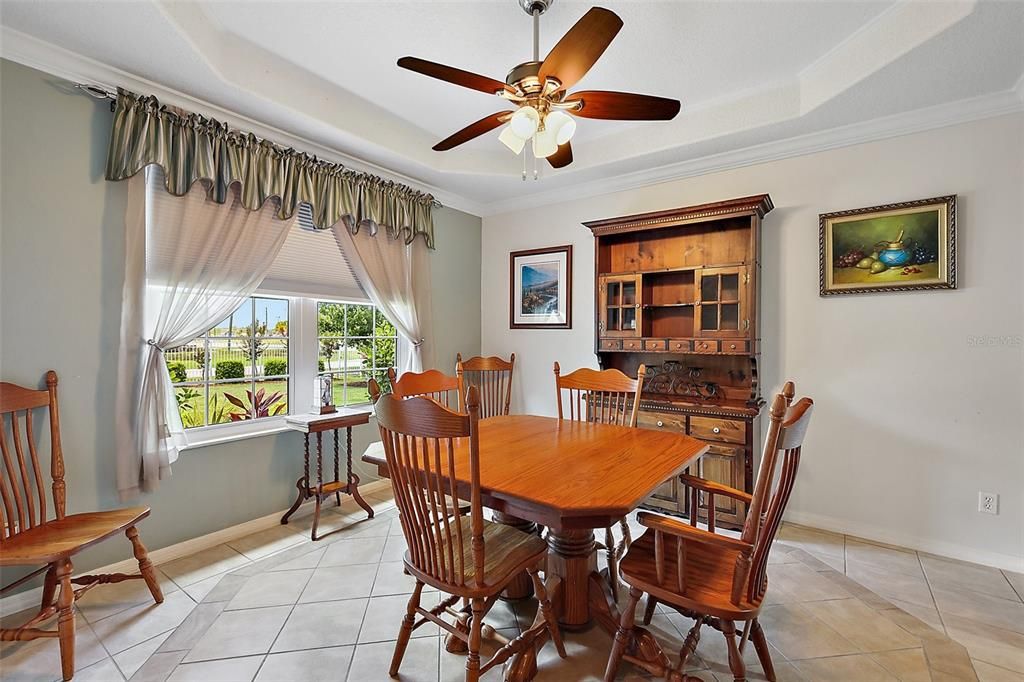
{"points": [[318, 423], [580, 596]]}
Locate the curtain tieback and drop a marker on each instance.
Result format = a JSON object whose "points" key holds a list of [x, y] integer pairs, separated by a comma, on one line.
{"points": [[151, 342], [417, 344]]}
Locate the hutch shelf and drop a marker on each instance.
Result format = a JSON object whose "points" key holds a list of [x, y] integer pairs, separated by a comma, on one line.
{"points": [[679, 292]]}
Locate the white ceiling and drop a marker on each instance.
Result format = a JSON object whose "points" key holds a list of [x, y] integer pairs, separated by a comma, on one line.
{"points": [[747, 73]]}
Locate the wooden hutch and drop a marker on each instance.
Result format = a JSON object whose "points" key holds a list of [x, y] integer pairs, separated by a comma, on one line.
{"points": [[679, 291]]}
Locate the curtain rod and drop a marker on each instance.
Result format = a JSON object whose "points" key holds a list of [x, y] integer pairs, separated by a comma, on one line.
{"points": [[99, 92]]}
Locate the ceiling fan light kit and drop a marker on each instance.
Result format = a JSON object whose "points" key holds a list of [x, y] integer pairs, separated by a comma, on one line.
{"points": [[545, 111]]}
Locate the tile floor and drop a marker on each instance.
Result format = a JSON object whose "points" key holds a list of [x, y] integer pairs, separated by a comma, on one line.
{"points": [[274, 606]]}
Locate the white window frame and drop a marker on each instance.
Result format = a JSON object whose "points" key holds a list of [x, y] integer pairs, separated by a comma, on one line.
{"points": [[303, 353]]}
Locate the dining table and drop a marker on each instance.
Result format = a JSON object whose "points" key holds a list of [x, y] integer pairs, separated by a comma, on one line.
{"points": [[571, 477]]}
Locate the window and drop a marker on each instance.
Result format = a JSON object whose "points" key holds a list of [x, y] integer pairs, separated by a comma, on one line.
{"points": [[237, 371], [355, 342], [262, 361]]}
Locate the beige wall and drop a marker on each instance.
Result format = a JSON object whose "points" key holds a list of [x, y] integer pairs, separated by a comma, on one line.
{"points": [[912, 418], [61, 272]]}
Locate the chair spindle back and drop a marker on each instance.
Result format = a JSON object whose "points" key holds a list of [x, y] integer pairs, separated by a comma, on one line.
{"points": [[493, 378], [22, 487], [447, 390], [419, 442], [782, 447], [605, 397]]}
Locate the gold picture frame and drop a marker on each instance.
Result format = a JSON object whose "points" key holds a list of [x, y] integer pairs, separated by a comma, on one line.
{"points": [[906, 246]]}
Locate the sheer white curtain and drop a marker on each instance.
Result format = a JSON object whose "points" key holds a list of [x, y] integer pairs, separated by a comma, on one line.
{"points": [[216, 257], [396, 277]]}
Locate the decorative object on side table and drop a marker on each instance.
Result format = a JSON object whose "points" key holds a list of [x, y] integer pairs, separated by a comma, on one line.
{"points": [[323, 395], [316, 423], [908, 246], [540, 288]]}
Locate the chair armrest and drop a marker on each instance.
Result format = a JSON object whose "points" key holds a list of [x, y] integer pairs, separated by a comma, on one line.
{"points": [[716, 488], [688, 532]]}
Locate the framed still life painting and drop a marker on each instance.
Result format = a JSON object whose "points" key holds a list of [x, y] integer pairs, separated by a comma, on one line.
{"points": [[907, 246], [540, 288]]}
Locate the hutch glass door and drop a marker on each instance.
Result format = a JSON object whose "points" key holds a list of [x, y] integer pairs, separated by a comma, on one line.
{"points": [[722, 303], [620, 306]]}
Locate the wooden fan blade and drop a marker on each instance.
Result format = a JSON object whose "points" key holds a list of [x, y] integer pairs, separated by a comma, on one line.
{"points": [[477, 129], [561, 158], [581, 46], [450, 74], [623, 106]]}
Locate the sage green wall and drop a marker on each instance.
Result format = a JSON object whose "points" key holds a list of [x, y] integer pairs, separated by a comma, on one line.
{"points": [[61, 271]]}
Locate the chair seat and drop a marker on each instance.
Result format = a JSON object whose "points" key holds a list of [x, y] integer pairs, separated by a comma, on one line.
{"points": [[709, 571], [507, 552], [374, 450], [62, 538]]}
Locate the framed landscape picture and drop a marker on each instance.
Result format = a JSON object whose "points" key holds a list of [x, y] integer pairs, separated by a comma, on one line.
{"points": [[907, 246], [540, 288]]}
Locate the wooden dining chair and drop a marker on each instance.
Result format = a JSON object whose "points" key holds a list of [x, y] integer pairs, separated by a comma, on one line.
{"points": [[458, 553], [492, 377], [32, 536], [445, 389], [605, 397], [715, 579]]}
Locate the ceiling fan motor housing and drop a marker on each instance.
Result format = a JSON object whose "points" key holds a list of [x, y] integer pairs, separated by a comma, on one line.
{"points": [[539, 6]]}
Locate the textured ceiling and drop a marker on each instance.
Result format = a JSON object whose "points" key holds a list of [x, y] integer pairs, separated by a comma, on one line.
{"points": [[746, 72]]}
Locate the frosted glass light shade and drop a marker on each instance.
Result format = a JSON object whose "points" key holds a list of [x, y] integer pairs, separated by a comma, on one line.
{"points": [[524, 122], [544, 143], [563, 125], [509, 138]]}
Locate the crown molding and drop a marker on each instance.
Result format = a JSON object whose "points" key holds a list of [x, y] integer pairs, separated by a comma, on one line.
{"points": [[920, 120], [71, 66]]}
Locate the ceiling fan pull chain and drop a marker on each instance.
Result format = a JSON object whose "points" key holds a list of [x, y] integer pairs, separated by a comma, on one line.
{"points": [[524, 167]]}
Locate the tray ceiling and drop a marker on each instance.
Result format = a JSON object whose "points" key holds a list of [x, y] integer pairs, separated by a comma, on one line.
{"points": [[747, 73]]}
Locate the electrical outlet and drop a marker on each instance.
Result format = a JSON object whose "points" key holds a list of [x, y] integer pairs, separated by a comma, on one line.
{"points": [[988, 503]]}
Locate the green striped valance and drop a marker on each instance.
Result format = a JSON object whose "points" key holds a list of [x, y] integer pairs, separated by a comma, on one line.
{"points": [[191, 147]]}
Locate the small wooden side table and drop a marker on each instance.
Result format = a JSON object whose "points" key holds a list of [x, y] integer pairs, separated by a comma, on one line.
{"points": [[318, 424]]}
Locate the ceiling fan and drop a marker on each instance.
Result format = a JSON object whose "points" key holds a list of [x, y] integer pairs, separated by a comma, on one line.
{"points": [[538, 89]]}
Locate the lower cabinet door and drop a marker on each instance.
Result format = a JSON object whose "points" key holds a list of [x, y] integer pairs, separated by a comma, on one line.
{"points": [[724, 464], [666, 497]]}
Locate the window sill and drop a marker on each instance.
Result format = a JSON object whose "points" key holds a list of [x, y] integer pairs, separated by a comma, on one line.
{"points": [[229, 433]]}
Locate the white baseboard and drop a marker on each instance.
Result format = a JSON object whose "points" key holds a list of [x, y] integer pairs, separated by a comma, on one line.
{"points": [[951, 550], [20, 601]]}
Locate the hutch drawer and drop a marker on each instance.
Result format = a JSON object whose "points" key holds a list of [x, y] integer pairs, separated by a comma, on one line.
{"points": [[611, 344], [632, 344], [655, 344], [714, 429], [680, 345], [705, 346], [737, 347], [662, 420]]}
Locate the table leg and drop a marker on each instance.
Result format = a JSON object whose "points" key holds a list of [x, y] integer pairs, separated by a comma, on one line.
{"points": [[521, 586], [318, 493], [581, 595], [353, 479], [522, 667], [302, 484], [572, 557], [337, 470]]}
